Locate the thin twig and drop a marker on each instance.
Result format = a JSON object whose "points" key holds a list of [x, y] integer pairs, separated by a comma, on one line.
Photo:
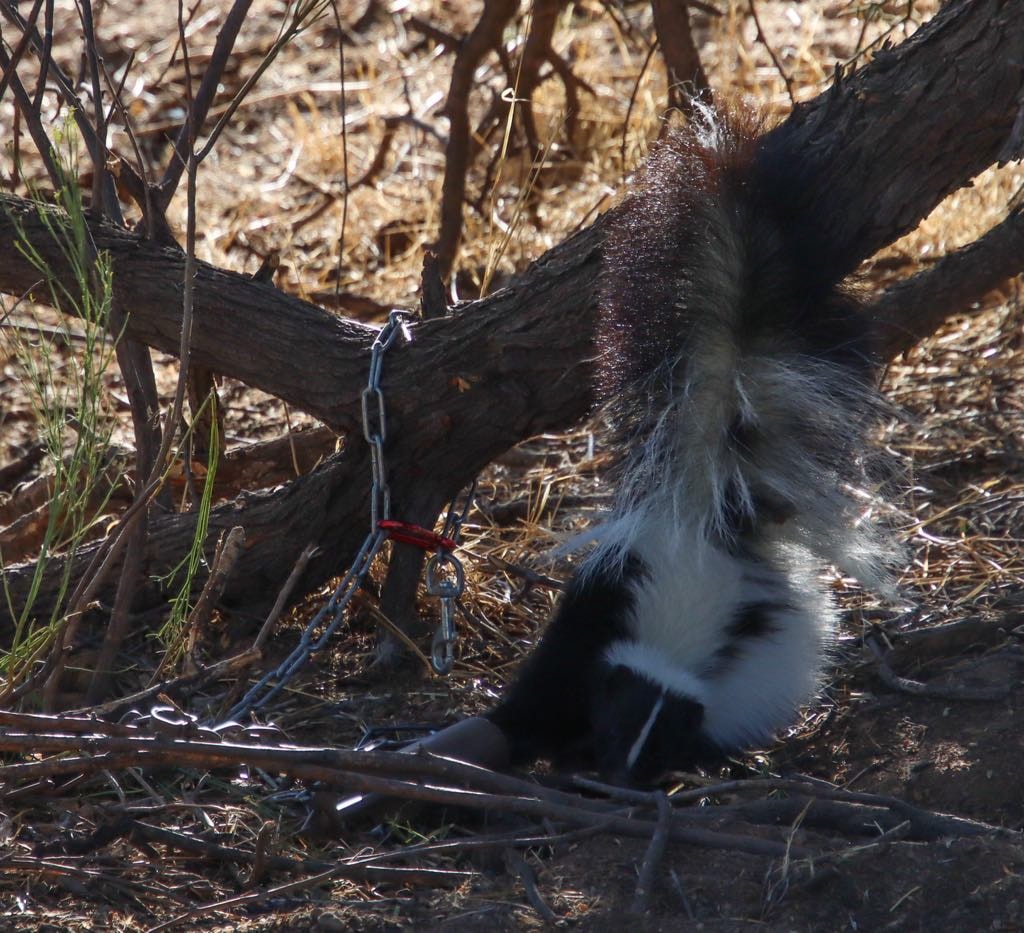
{"points": [[282, 597], [180, 687], [19, 50], [229, 549], [199, 106], [33, 120], [632, 103], [485, 36], [771, 53], [64, 722], [304, 13], [515, 861], [144, 196], [941, 691], [356, 868], [66, 86], [344, 149], [266, 630], [686, 77], [27, 867], [260, 857], [409, 874], [654, 855], [104, 196], [530, 577]]}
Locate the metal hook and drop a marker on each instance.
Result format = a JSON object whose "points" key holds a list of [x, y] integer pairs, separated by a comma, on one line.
{"points": [[442, 649]]}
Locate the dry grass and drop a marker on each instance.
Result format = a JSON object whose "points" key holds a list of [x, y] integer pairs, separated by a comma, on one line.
{"points": [[276, 183]]}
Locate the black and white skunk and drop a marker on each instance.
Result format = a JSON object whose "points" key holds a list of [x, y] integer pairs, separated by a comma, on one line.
{"points": [[739, 381]]}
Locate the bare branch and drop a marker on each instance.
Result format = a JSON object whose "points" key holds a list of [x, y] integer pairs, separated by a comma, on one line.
{"points": [[104, 195], [200, 105], [763, 38], [11, 68], [910, 310], [485, 37], [42, 46], [32, 118], [686, 78]]}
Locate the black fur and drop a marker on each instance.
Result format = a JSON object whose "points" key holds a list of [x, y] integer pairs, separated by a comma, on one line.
{"points": [[622, 705], [548, 712]]}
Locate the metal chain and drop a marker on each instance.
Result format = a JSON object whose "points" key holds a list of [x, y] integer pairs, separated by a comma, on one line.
{"points": [[456, 517], [375, 432]]}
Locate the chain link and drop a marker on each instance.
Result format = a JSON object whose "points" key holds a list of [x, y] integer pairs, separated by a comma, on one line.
{"points": [[372, 401], [375, 433], [454, 519]]}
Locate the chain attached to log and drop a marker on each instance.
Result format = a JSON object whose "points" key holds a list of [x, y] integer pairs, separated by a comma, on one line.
{"points": [[445, 574]]}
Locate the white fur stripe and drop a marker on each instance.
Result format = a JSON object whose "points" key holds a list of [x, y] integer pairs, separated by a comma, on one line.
{"points": [[649, 662], [638, 745]]}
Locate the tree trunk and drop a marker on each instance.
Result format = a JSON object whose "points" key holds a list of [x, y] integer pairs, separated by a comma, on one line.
{"points": [[874, 154]]}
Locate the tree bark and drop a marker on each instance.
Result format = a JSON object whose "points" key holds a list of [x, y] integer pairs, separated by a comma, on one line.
{"points": [[683, 67], [873, 154], [912, 309], [882, 148]]}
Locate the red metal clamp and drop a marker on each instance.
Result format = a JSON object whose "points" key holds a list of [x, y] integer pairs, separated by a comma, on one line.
{"points": [[415, 535]]}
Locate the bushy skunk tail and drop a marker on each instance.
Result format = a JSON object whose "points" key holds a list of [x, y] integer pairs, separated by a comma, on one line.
{"points": [[739, 377]]}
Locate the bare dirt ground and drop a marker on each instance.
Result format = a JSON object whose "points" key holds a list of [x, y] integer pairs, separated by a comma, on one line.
{"points": [[275, 184]]}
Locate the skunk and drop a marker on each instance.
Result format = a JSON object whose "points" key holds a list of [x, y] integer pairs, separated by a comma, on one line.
{"points": [[738, 377]]}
